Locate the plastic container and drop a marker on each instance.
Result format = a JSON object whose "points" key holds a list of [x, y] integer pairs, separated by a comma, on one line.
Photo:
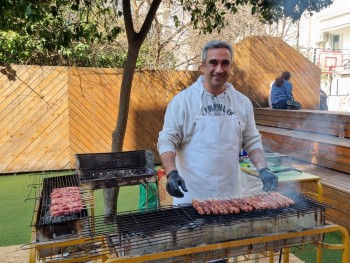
{"points": [[274, 159]]}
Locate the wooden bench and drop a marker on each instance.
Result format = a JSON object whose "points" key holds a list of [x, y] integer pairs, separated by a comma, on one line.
{"points": [[323, 150], [336, 190], [315, 121], [307, 135], [310, 140]]}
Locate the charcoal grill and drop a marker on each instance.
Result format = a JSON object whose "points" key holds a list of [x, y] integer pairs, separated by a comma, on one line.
{"points": [[106, 170], [181, 227], [172, 233], [50, 227]]}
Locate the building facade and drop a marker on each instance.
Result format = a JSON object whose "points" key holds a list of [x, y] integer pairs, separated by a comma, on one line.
{"points": [[325, 37]]}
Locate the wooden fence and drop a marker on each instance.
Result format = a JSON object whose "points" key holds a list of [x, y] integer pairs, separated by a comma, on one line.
{"points": [[49, 114], [260, 60]]}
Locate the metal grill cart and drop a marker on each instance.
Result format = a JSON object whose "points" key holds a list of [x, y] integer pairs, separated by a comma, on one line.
{"points": [[166, 234]]}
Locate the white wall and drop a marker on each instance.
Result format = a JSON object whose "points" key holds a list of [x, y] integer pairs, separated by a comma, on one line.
{"points": [[333, 20], [339, 103], [316, 34]]}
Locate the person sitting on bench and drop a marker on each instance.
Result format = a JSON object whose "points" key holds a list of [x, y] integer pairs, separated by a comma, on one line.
{"points": [[281, 93]]}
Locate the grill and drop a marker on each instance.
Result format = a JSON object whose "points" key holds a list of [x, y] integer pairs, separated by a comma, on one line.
{"points": [[139, 233], [106, 170], [170, 228], [50, 227], [49, 184], [94, 171], [148, 232]]}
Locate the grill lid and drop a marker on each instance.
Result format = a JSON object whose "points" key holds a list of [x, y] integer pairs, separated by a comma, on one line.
{"points": [[105, 170]]}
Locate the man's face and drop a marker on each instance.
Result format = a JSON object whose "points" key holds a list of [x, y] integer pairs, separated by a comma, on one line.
{"points": [[216, 69]]}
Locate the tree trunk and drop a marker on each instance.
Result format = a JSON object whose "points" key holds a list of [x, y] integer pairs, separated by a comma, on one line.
{"points": [[110, 195], [135, 41]]}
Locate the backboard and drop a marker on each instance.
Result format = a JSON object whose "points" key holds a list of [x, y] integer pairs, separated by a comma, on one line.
{"points": [[329, 60]]}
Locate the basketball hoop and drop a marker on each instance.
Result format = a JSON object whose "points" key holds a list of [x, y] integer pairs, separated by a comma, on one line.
{"points": [[329, 60]]}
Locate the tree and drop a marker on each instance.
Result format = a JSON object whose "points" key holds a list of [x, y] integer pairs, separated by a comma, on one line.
{"points": [[206, 16], [239, 26]]}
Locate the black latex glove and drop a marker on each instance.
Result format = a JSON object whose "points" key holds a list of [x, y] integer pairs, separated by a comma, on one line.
{"points": [[173, 183], [269, 179]]}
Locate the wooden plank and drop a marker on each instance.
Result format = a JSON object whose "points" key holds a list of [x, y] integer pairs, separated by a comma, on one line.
{"points": [[30, 134], [316, 126], [27, 107], [89, 122], [338, 218], [336, 190], [315, 150], [338, 212], [56, 148], [327, 151], [295, 149], [40, 144], [330, 178], [93, 106], [25, 75], [316, 115], [332, 164], [257, 63], [30, 115], [89, 128], [35, 132], [328, 141], [90, 140], [24, 92]]}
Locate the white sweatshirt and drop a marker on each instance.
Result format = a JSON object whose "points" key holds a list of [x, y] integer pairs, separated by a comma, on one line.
{"points": [[182, 110]]}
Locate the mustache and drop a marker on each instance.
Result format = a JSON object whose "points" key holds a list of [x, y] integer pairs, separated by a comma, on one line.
{"points": [[218, 75]]}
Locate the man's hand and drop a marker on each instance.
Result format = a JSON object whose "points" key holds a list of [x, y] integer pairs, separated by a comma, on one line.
{"points": [[173, 183], [270, 180]]}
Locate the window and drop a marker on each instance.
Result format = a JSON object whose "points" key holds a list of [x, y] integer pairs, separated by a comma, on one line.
{"points": [[336, 42]]}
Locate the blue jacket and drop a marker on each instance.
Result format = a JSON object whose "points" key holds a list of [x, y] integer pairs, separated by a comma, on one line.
{"points": [[280, 93]]}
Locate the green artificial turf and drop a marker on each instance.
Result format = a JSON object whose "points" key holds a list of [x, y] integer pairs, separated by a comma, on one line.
{"points": [[16, 211], [308, 253]]}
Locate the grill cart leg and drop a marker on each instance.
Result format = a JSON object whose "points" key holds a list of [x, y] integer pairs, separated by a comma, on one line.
{"points": [[319, 253], [344, 247], [285, 255], [32, 255]]}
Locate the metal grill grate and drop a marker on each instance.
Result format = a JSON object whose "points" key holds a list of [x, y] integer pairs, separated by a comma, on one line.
{"points": [[99, 179], [175, 227], [49, 184], [302, 205], [172, 227]]}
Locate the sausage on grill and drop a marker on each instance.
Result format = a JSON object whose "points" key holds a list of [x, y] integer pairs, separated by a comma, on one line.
{"points": [[272, 200]]}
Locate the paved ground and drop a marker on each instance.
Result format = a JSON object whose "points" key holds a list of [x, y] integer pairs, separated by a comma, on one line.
{"points": [[14, 254]]}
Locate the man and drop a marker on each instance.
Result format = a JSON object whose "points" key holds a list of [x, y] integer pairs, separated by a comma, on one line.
{"points": [[323, 100], [205, 127]]}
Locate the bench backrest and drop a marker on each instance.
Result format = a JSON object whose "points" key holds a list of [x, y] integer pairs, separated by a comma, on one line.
{"points": [[316, 121]]}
